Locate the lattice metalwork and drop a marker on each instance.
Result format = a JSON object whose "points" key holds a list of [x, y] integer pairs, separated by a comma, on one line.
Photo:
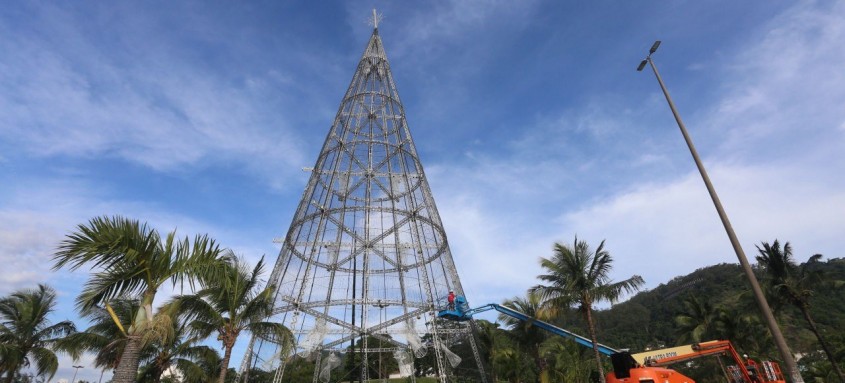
{"points": [[366, 260]]}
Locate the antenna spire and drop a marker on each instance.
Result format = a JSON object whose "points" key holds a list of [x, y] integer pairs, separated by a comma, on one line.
{"points": [[376, 18]]}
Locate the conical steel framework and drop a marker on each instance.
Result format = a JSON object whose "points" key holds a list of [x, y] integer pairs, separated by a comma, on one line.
{"points": [[365, 264]]}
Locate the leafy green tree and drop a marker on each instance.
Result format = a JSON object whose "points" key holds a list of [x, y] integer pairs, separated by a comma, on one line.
{"points": [[257, 375], [130, 259], [234, 302], [576, 276], [27, 336], [379, 364], [298, 369], [818, 368], [794, 284]]}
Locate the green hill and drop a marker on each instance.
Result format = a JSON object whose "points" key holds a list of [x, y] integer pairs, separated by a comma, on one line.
{"points": [[647, 320]]}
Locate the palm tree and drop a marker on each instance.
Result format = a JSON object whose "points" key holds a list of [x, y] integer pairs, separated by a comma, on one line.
{"points": [[132, 260], [577, 276], [568, 361], [489, 338], [103, 338], [180, 351], [515, 366], [794, 284], [746, 332], [696, 321], [525, 333], [232, 304], [26, 334]]}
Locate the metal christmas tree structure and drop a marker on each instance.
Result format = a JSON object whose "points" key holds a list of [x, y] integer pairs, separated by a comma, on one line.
{"points": [[365, 264]]}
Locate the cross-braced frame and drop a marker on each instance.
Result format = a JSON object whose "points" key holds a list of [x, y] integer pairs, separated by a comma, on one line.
{"points": [[365, 264]]}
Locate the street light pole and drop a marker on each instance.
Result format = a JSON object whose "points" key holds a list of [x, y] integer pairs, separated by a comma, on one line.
{"points": [[76, 369], [780, 342]]}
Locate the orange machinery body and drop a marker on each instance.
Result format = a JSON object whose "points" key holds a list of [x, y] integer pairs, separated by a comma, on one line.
{"points": [[764, 372], [650, 375]]}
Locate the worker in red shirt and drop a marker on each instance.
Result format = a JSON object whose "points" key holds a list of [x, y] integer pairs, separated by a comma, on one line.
{"points": [[751, 366], [451, 299]]}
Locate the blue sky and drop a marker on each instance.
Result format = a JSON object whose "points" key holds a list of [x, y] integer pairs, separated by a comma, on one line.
{"points": [[530, 119]]}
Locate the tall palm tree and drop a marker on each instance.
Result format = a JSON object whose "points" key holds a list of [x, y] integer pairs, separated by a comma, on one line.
{"points": [[794, 284], [130, 259], [26, 334], [234, 303], [579, 277]]}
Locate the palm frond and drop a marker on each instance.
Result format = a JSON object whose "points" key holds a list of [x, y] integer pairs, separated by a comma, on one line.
{"points": [[46, 362], [202, 316], [259, 307], [106, 285], [56, 331], [273, 332], [105, 242]]}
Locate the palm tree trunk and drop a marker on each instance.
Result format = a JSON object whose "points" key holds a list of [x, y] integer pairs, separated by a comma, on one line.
{"points": [[127, 369], [224, 365], [805, 309], [589, 314]]}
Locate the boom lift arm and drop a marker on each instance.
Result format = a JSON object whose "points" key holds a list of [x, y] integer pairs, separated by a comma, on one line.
{"points": [[604, 350], [637, 368], [626, 369]]}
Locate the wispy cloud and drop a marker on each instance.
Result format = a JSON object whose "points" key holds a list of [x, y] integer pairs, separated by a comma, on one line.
{"points": [[37, 214], [67, 92], [778, 177], [782, 92]]}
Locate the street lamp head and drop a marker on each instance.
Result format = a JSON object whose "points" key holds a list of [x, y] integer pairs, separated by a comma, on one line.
{"points": [[78, 366], [650, 52], [654, 47]]}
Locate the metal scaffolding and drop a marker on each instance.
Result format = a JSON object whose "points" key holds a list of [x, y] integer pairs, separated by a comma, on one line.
{"points": [[365, 264]]}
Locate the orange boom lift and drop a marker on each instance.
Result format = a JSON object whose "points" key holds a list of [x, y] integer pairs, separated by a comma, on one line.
{"points": [[764, 372], [646, 367]]}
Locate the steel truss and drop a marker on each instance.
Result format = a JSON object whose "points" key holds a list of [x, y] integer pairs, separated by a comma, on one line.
{"points": [[365, 264]]}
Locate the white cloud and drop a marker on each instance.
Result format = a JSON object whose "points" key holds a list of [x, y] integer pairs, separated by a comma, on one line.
{"points": [[25, 248], [66, 93], [656, 230], [785, 91], [778, 173], [661, 231], [38, 213]]}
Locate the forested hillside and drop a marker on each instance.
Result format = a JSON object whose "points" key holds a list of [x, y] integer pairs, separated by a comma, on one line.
{"points": [[648, 318], [711, 303]]}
